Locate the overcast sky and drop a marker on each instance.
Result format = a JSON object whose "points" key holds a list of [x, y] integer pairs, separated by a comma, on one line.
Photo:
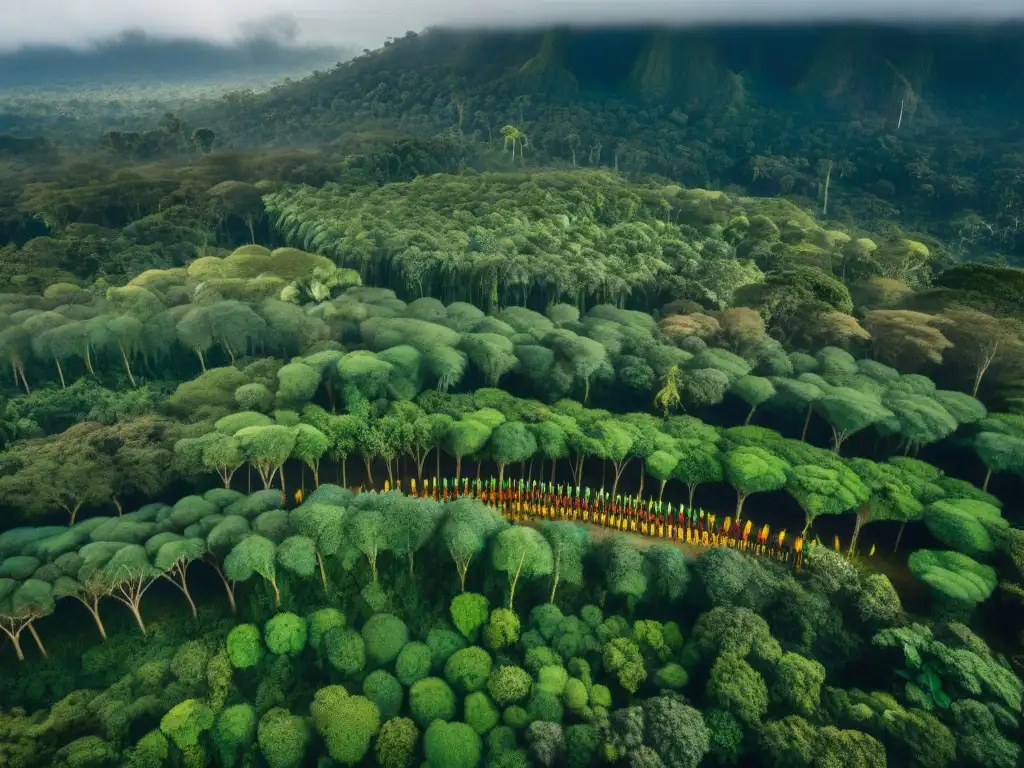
{"points": [[369, 22]]}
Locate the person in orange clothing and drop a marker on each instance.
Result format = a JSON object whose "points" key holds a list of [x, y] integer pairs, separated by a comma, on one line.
{"points": [[762, 541], [298, 497], [781, 539]]}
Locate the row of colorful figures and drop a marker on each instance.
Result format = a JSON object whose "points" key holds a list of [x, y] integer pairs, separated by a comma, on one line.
{"points": [[521, 501]]}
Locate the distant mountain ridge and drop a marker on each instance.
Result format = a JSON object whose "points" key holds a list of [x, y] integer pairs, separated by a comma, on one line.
{"points": [[854, 69], [915, 127], [136, 58]]}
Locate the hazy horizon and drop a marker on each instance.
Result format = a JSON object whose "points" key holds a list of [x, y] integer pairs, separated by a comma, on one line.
{"points": [[75, 24]]}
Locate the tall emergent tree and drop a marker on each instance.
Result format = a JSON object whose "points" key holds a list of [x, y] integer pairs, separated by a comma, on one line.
{"points": [[750, 469], [521, 552]]}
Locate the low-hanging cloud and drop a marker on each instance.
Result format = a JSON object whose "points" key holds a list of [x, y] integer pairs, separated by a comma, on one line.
{"points": [[81, 22]]}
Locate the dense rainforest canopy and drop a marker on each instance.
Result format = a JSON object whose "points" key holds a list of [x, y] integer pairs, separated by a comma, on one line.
{"points": [[490, 401]]}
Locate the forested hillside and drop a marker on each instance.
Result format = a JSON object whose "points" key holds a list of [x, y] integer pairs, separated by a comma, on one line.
{"points": [[915, 128], [509, 400]]}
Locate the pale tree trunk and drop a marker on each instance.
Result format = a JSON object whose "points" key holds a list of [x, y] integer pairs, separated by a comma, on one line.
{"points": [[372, 560], [807, 423], [661, 491], [138, 617], [458, 469], [988, 477], [14, 635], [838, 438], [620, 467], [229, 586], [740, 499], [323, 573], [39, 642], [94, 611], [226, 475], [127, 366], [692, 488], [60, 372], [899, 536], [130, 595], [828, 181], [863, 516], [179, 578], [515, 580]]}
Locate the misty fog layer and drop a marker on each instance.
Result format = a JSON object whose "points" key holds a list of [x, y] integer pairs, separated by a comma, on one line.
{"points": [[70, 22], [138, 58]]}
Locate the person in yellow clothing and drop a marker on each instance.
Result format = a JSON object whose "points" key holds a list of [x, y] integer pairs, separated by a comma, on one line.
{"points": [[798, 550], [298, 497]]}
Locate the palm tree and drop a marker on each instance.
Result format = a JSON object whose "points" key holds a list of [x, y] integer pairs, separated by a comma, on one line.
{"points": [[668, 397], [513, 136]]}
